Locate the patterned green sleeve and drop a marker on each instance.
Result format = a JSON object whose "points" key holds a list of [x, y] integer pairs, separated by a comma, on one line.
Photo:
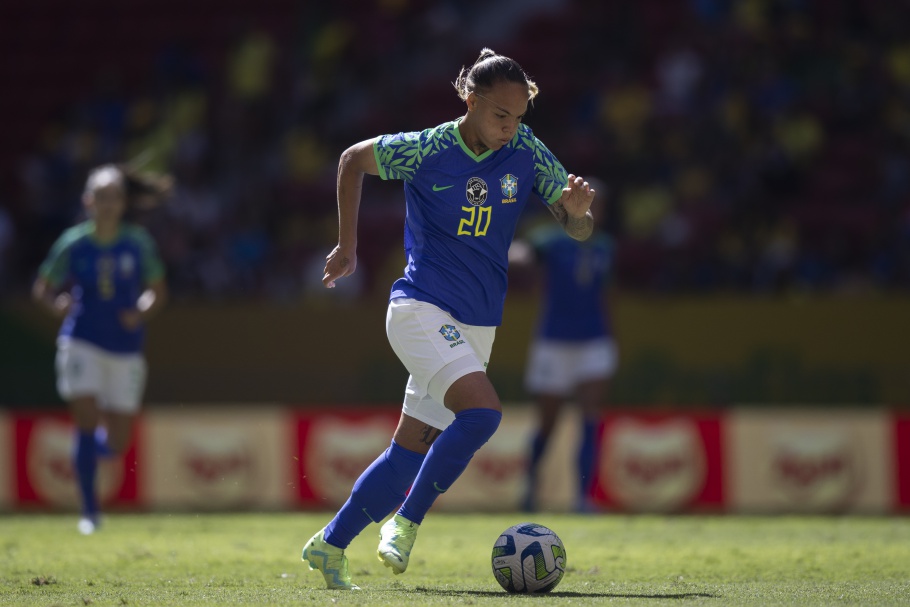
{"points": [[153, 267], [398, 156], [550, 177], [56, 267]]}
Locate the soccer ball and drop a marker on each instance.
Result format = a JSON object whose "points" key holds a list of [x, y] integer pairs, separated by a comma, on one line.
{"points": [[528, 558]]}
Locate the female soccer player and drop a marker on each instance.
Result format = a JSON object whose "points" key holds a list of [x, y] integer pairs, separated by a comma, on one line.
{"points": [[465, 183], [573, 353], [103, 277]]}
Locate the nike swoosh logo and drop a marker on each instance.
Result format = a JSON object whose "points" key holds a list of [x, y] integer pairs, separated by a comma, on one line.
{"points": [[437, 188], [438, 488]]}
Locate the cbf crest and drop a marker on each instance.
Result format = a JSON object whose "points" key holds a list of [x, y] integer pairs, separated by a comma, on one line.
{"points": [[449, 332], [476, 191], [509, 186]]}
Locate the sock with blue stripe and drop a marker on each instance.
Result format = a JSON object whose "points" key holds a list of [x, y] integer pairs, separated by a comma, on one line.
{"points": [[448, 458], [378, 491], [85, 461]]}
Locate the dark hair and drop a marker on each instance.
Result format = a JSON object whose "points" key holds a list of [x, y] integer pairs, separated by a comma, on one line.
{"points": [[489, 69], [142, 190]]}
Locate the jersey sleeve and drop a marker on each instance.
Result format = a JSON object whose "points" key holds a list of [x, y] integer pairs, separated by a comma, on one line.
{"points": [[153, 267], [398, 156], [550, 177], [55, 267]]}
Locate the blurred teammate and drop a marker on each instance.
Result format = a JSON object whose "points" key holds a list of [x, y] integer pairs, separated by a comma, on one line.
{"points": [[103, 277], [573, 354], [466, 183]]}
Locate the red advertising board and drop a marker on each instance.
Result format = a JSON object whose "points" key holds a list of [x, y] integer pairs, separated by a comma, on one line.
{"points": [[44, 475], [902, 454], [334, 446], [662, 462]]}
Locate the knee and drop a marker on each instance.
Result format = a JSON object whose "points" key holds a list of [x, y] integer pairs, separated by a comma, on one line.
{"points": [[481, 422]]}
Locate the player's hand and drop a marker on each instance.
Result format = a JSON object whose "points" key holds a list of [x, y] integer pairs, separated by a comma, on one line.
{"points": [[577, 197], [338, 264], [62, 305]]}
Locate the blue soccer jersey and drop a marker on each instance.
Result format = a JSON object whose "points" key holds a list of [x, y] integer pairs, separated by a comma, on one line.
{"points": [[106, 279], [462, 210], [574, 306]]}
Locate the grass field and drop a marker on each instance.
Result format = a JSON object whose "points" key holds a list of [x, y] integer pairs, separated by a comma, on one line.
{"points": [[254, 559]]}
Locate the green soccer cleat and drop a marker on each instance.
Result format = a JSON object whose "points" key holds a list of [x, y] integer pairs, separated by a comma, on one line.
{"points": [[396, 539], [330, 561]]}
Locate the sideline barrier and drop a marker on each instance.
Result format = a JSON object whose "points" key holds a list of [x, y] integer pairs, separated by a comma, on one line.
{"points": [[274, 457]]}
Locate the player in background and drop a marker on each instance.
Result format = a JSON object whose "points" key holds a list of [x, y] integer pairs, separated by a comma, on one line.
{"points": [[104, 279], [573, 354], [465, 184]]}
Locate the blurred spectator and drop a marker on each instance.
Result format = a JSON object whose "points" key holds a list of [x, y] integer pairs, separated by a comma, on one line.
{"points": [[757, 145]]}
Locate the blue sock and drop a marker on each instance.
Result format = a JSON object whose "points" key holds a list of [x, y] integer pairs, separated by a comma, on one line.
{"points": [[102, 448], [587, 459], [448, 458], [85, 461], [378, 491]]}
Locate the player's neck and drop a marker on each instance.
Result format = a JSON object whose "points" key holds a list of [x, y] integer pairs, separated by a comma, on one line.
{"points": [[470, 138], [106, 231]]}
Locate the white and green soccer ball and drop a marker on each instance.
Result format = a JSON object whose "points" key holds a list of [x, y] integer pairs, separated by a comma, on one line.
{"points": [[529, 558]]}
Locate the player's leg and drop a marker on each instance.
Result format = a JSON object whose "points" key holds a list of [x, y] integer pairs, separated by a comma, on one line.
{"points": [[547, 408], [591, 395], [379, 490], [79, 384], [119, 431], [449, 359], [121, 400], [596, 363], [477, 415], [550, 375], [86, 416], [382, 486]]}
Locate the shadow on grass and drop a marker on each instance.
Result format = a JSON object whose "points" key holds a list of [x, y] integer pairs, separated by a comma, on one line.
{"points": [[606, 595]]}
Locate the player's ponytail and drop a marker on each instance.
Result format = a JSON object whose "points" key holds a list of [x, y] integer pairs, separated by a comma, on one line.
{"points": [[145, 191], [487, 70]]}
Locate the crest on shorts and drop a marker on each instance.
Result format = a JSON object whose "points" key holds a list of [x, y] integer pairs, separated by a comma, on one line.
{"points": [[476, 191], [449, 332]]}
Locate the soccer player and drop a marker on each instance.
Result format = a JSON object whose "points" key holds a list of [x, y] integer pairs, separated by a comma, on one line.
{"points": [[573, 354], [465, 185], [104, 278]]}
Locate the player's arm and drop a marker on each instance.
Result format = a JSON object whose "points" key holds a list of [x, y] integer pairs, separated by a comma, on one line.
{"points": [[573, 209], [355, 161], [47, 297]]}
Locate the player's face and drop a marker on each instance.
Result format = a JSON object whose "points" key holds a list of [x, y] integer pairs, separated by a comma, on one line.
{"points": [[106, 203], [498, 112]]}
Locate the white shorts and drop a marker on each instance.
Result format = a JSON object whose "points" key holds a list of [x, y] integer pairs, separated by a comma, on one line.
{"points": [[436, 350], [117, 381], [558, 367]]}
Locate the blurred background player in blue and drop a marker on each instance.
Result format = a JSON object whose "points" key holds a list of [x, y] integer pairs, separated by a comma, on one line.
{"points": [[573, 353], [466, 184], [104, 279]]}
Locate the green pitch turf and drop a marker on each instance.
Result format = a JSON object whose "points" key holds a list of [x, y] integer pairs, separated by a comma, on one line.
{"points": [[254, 559]]}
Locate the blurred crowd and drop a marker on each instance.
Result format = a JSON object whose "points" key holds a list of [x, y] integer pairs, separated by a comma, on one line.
{"points": [[755, 146]]}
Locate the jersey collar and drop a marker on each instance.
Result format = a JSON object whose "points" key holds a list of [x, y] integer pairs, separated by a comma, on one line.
{"points": [[465, 147]]}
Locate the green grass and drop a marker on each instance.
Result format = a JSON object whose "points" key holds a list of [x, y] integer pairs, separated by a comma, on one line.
{"points": [[254, 559]]}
